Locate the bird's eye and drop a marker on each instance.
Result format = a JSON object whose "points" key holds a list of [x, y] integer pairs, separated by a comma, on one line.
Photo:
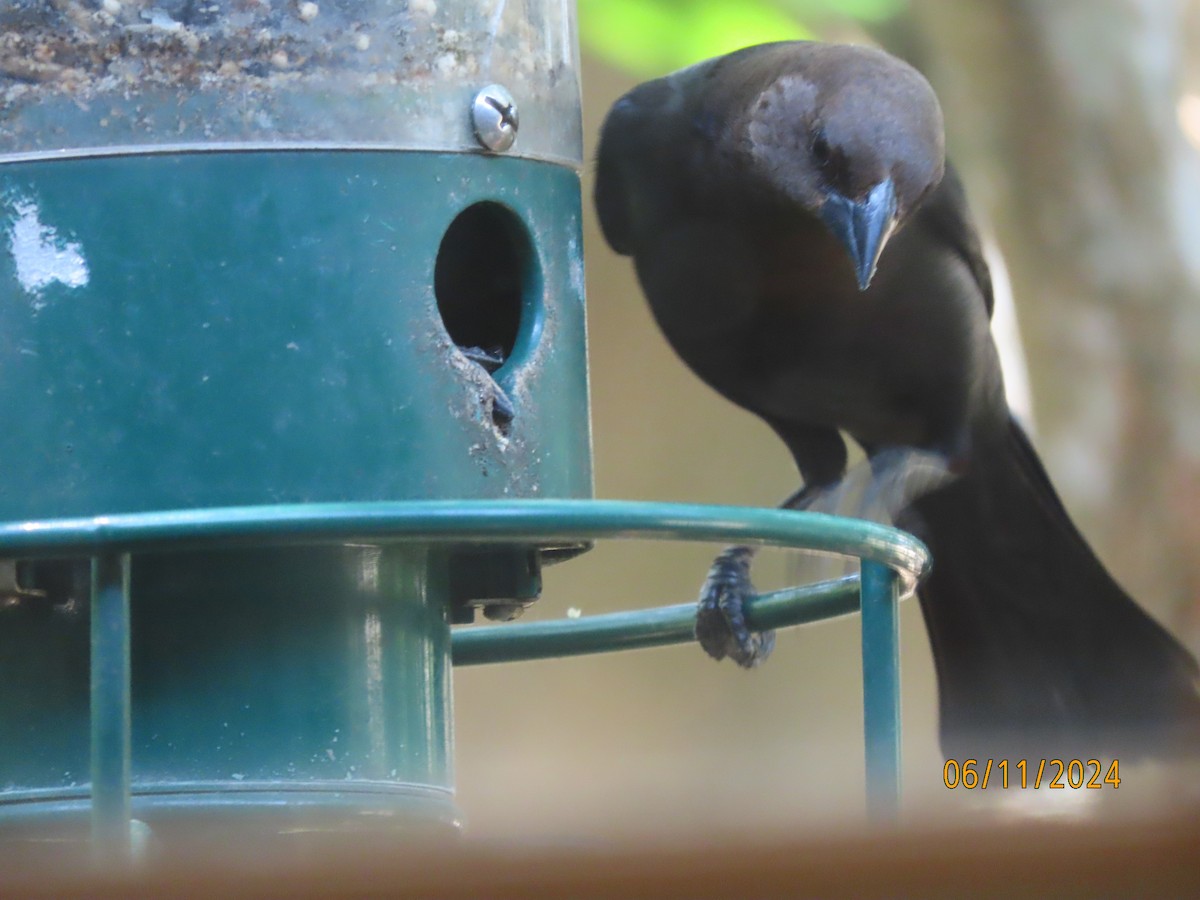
{"points": [[821, 151]]}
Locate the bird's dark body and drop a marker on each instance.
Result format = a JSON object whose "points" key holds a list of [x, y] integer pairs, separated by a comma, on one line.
{"points": [[767, 328], [707, 179]]}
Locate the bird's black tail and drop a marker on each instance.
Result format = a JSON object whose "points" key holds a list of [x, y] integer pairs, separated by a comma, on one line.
{"points": [[1038, 650]]}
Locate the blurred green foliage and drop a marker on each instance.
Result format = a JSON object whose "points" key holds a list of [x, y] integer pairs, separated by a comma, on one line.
{"points": [[650, 37]]}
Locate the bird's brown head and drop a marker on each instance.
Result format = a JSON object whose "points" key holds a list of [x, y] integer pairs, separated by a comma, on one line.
{"points": [[851, 134]]}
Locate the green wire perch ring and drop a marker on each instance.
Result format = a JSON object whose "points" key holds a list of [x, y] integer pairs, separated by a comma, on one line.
{"points": [[891, 564]]}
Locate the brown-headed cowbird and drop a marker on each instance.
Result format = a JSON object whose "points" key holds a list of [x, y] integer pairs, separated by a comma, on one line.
{"points": [[808, 253]]}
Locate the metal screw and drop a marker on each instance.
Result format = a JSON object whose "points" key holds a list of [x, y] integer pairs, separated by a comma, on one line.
{"points": [[494, 117]]}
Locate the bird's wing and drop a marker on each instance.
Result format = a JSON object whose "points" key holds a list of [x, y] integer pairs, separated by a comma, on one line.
{"points": [[947, 216]]}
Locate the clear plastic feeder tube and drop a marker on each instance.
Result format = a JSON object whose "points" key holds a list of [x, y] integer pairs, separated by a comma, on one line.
{"points": [[83, 77]]}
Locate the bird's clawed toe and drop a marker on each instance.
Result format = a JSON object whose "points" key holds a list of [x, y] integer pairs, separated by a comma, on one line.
{"points": [[721, 617]]}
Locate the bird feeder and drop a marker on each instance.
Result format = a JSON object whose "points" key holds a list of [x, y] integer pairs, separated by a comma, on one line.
{"points": [[263, 254], [292, 354]]}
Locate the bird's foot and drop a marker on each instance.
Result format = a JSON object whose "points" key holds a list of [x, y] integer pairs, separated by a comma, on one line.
{"points": [[721, 617]]}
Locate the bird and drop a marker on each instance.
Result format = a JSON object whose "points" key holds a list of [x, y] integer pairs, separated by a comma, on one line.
{"points": [[808, 251]]}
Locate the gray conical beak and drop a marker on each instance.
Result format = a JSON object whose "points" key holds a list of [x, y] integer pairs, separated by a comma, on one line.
{"points": [[863, 226]]}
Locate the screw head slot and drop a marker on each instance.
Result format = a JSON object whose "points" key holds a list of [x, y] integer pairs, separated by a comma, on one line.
{"points": [[495, 119]]}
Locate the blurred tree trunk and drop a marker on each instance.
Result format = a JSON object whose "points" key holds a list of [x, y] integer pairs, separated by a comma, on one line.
{"points": [[1063, 113]]}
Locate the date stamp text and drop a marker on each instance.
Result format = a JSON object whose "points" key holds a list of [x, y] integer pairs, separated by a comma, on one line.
{"points": [[1056, 774]]}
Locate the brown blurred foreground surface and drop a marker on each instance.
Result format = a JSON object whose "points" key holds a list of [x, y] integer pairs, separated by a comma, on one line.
{"points": [[1159, 858]]}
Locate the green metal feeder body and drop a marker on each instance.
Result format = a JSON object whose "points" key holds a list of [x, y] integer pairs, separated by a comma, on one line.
{"points": [[263, 254]]}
